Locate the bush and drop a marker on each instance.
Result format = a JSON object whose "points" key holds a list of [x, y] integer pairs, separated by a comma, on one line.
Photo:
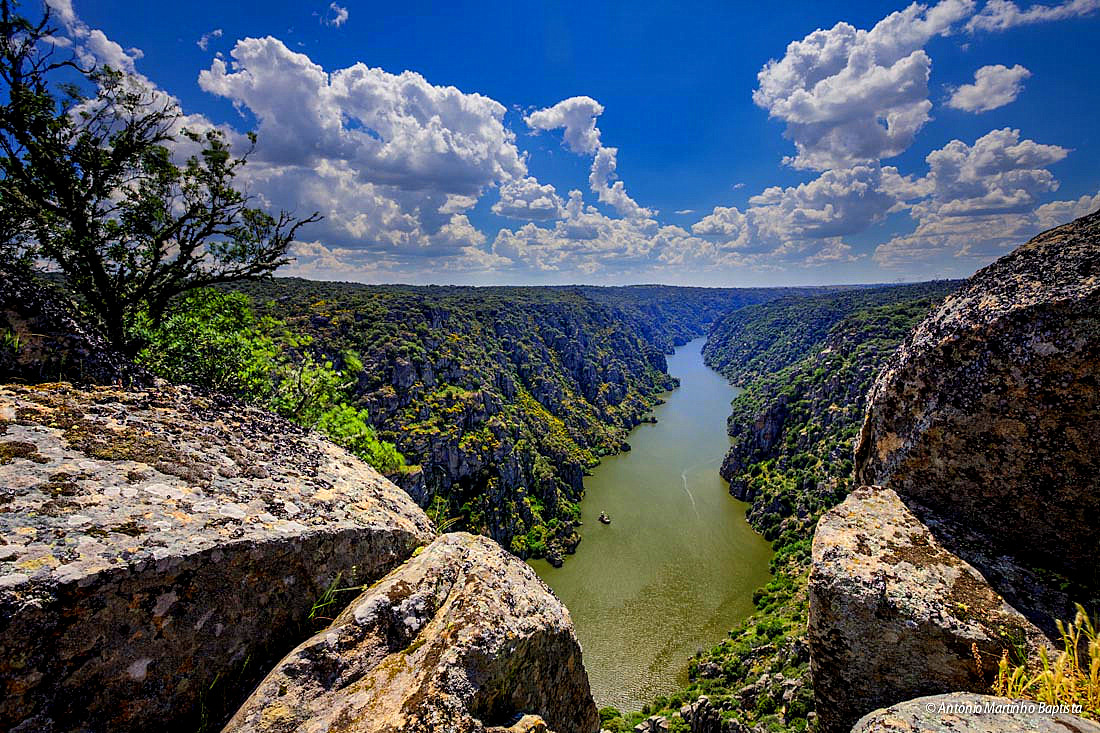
{"points": [[213, 340]]}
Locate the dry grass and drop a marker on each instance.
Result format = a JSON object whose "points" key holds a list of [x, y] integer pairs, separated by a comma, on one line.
{"points": [[1072, 678]]}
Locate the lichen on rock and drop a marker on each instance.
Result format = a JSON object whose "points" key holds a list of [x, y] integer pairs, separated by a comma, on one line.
{"points": [[463, 637], [159, 547], [978, 524]]}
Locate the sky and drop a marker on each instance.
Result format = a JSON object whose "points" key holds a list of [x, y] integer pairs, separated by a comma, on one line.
{"points": [[719, 144]]}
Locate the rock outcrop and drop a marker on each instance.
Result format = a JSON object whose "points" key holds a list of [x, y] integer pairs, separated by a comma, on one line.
{"points": [[160, 549], [979, 521], [41, 338], [969, 713], [463, 637], [895, 614], [990, 410]]}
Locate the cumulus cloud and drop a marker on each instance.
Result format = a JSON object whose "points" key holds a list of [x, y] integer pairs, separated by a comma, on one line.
{"points": [[587, 242], [576, 116], [1000, 15], [526, 198], [979, 200], [206, 38], [91, 46], [1060, 212], [336, 15], [804, 224], [993, 87], [391, 159], [851, 96]]}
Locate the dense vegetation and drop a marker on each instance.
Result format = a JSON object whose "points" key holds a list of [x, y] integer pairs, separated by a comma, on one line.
{"points": [[760, 339], [669, 316], [499, 399], [213, 339], [795, 425]]}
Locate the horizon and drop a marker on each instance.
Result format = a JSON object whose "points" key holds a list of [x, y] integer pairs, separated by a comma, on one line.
{"points": [[798, 145]]}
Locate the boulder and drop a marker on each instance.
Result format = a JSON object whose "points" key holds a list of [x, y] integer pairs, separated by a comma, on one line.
{"points": [[702, 716], [989, 412], [968, 713], [894, 614], [160, 549], [978, 523], [463, 637]]}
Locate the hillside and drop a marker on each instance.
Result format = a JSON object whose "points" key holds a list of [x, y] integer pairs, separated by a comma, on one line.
{"points": [[795, 425], [757, 340], [500, 398], [669, 316]]}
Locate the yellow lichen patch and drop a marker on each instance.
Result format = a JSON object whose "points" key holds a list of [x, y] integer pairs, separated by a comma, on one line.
{"points": [[276, 714], [888, 444], [30, 564]]}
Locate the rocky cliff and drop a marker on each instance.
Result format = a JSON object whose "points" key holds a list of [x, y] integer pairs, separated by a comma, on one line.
{"points": [[503, 397], [979, 523], [161, 549]]}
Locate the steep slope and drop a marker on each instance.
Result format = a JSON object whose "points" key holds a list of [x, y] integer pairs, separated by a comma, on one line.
{"points": [[670, 316], [758, 340], [795, 426], [502, 397], [978, 524]]}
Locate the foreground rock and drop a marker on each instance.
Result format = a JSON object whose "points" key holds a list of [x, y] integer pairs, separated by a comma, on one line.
{"points": [[967, 713], [981, 432], [990, 411], [463, 637], [895, 614], [160, 549]]}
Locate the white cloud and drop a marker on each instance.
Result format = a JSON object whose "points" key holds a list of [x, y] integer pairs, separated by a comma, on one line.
{"points": [[849, 95], [837, 203], [526, 198], [1000, 15], [684, 212], [993, 87], [206, 38], [1060, 212], [805, 224], [979, 200], [577, 117], [390, 159], [725, 222], [336, 15], [91, 46]]}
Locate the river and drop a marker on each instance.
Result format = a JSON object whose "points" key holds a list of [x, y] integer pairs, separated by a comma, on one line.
{"points": [[676, 568]]}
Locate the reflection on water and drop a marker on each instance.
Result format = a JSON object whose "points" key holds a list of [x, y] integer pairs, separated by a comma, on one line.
{"points": [[676, 568]]}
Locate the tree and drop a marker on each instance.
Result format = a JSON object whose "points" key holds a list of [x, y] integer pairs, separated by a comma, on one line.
{"points": [[90, 182]]}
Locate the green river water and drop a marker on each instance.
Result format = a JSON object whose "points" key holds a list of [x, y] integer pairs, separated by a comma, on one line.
{"points": [[676, 568]]}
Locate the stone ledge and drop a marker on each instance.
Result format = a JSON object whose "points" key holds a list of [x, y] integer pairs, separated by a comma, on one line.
{"points": [[894, 613], [153, 542]]}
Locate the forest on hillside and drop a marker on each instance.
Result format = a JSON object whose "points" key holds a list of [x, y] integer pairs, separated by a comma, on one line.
{"points": [[806, 363]]}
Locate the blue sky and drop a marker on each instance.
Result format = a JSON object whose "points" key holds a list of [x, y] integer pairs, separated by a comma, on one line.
{"points": [[711, 143]]}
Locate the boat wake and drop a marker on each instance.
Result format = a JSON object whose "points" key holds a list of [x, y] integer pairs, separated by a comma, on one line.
{"points": [[684, 478]]}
